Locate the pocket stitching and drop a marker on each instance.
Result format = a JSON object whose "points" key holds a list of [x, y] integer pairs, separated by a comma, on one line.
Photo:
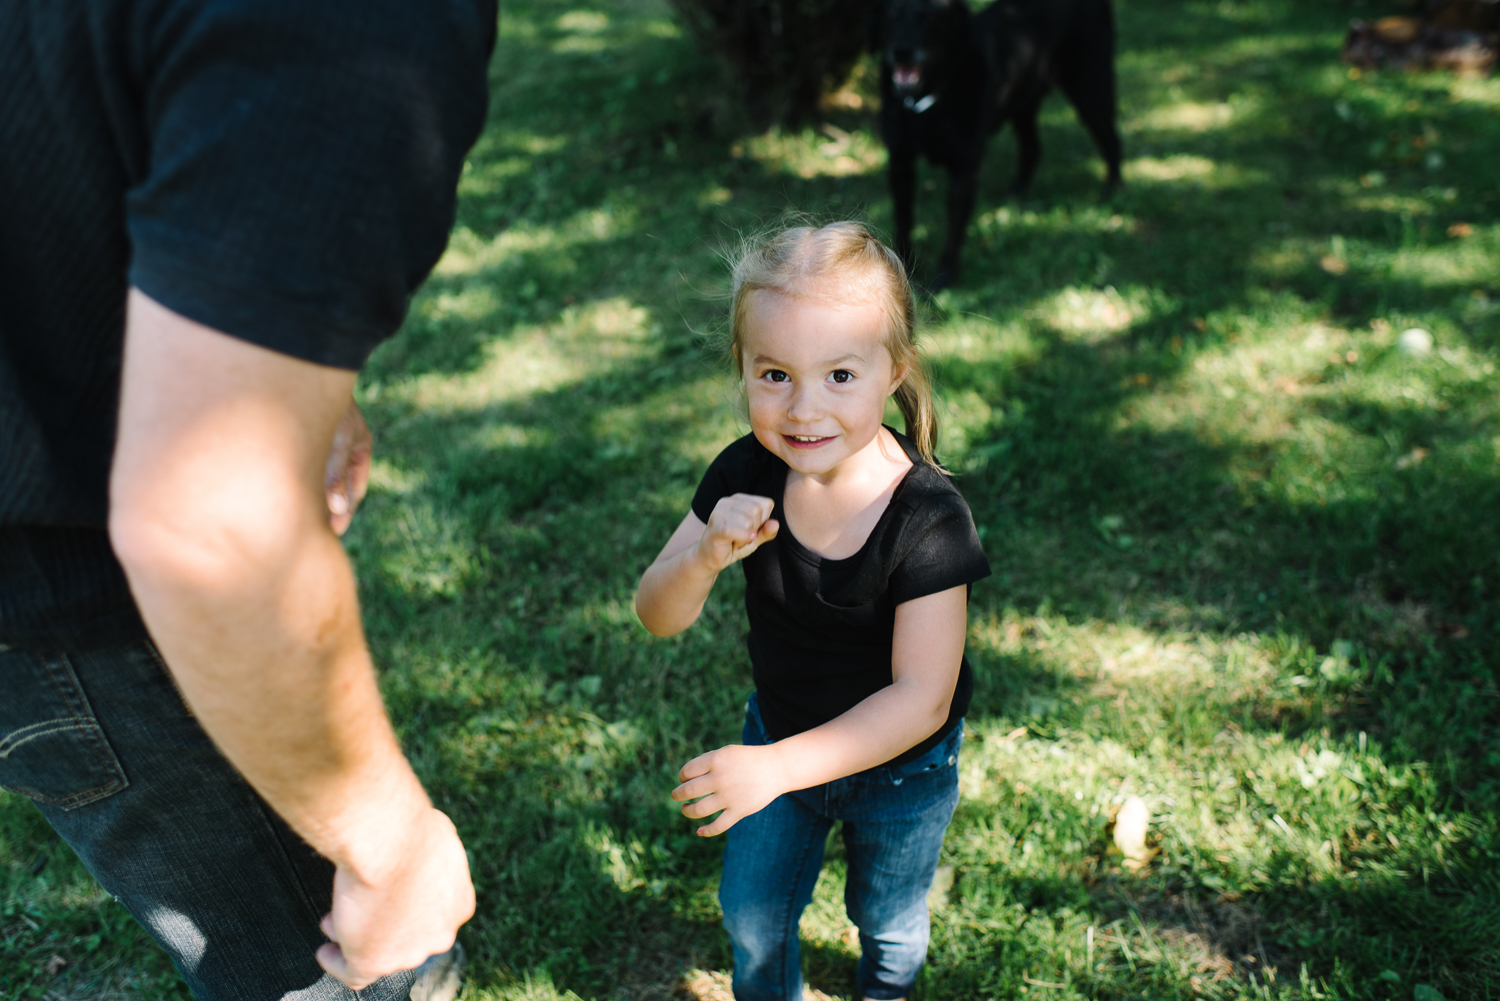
{"points": [[65, 682], [8, 743]]}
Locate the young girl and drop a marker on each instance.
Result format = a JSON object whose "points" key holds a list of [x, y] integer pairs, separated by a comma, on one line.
{"points": [[858, 553]]}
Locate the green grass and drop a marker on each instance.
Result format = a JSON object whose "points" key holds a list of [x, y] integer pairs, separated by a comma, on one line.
{"points": [[1246, 550]]}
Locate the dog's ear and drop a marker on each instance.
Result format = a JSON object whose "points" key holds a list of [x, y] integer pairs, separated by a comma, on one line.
{"points": [[875, 18], [956, 15]]}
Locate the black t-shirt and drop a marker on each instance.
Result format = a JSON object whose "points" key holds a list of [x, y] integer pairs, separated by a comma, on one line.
{"points": [[281, 170], [821, 629]]}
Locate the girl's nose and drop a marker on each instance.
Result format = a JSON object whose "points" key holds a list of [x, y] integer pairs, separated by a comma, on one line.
{"points": [[803, 406]]}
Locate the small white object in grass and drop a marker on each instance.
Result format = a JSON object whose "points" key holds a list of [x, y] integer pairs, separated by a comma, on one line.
{"points": [[1414, 341], [1130, 829], [942, 884]]}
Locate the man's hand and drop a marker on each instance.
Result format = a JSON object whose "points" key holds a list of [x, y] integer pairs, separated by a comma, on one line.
{"points": [[348, 473], [737, 528], [392, 921], [737, 779]]}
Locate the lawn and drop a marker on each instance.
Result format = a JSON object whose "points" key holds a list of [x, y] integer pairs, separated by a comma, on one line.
{"points": [[1246, 547]]}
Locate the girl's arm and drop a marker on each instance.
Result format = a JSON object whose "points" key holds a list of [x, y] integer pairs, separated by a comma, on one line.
{"points": [[674, 587], [926, 654]]}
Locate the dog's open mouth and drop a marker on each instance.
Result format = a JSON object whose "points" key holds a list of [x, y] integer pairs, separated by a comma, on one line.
{"points": [[906, 77]]}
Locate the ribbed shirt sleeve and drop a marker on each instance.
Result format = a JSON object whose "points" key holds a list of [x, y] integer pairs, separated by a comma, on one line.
{"points": [[302, 162], [942, 550]]}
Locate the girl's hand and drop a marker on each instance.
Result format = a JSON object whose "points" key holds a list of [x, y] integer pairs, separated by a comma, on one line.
{"points": [[676, 584], [737, 527], [736, 779]]}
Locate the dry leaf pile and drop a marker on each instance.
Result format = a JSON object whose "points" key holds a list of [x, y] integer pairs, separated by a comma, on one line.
{"points": [[1460, 36]]}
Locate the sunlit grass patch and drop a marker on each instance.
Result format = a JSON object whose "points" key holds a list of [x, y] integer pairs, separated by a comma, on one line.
{"points": [[468, 253], [1173, 720], [1466, 262], [584, 28], [1485, 93], [966, 337], [583, 340], [386, 477], [1171, 168], [1091, 315], [1191, 116], [1184, 167], [829, 152]]}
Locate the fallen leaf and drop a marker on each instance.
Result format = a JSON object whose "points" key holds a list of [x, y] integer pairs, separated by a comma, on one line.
{"points": [[1412, 458], [703, 985], [1398, 30]]}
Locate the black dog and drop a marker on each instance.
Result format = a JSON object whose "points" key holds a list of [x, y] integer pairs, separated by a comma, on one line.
{"points": [[951, 79]]}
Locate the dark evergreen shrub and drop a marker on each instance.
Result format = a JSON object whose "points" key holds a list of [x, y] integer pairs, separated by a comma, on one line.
{"points": [[780, 55]]}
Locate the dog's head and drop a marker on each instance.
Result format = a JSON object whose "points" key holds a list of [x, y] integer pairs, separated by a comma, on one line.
{"points": [[916, 39]]}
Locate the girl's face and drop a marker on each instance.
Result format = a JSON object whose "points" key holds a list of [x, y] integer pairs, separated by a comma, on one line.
{"points": [[817, 375]]}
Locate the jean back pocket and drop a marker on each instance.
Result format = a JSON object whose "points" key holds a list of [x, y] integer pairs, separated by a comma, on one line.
{"points": [[52, 748]]}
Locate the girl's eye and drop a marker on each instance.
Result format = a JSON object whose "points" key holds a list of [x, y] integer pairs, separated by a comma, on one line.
{"points": [[776, 375], [842, 375]]}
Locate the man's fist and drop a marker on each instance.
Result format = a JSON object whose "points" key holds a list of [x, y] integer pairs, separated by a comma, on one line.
{"points": [[393, 920]]}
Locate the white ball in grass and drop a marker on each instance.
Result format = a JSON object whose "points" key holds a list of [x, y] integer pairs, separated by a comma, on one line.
{"points": [[1130, 829], [1414, 341]]}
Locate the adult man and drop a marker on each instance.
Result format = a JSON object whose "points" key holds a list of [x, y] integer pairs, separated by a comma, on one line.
{"points": [[211, 211]]}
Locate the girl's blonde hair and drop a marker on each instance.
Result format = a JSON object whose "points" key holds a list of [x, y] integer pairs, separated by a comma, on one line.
{"points": [[842, 261]]}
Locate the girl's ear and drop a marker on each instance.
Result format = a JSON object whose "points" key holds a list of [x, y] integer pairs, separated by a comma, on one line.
{"points": [[898, 376]]}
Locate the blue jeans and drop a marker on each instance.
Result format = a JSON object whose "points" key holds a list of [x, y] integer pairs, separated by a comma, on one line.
{"points": [[105, 747], [894, 820]]}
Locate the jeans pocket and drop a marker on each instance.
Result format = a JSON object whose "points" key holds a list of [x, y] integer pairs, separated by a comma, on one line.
{"points": [[943, 755], [52, 748]]}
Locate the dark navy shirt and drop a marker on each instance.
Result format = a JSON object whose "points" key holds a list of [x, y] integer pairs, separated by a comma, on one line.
{"points": [[821, 629], [281, 170]]}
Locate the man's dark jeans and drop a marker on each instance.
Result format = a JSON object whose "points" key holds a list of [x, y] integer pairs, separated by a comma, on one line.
{"points": [[104, 745]]}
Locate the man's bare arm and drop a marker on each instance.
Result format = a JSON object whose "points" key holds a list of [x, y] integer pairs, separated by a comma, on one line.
{"points": [[219, 514]]}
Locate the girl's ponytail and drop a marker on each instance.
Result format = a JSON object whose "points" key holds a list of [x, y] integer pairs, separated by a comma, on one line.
{"points": [[914, 397]]}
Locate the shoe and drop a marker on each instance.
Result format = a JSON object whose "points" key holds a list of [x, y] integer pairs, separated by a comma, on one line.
{"points": [[440, 976]]}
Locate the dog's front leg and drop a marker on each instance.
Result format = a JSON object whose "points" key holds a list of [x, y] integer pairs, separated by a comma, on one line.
{"points": [[963, 188], [1028, 146], [903, 176]]}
